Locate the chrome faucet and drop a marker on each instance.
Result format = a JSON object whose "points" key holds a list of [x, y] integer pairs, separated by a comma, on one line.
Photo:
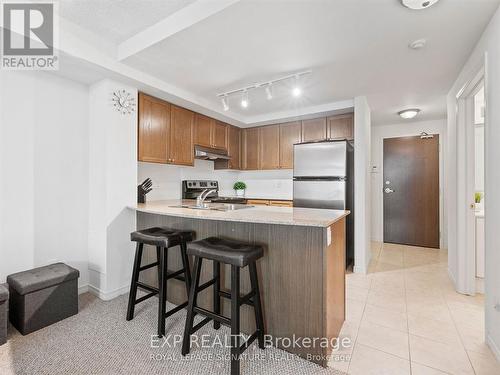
{"points": [[204, 194]]}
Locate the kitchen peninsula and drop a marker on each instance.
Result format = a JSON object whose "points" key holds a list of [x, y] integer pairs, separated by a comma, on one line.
{"points": [[302, 273]]}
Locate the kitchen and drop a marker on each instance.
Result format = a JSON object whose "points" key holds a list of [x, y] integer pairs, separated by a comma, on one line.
{"points": [[231, 124], [294, 150]]}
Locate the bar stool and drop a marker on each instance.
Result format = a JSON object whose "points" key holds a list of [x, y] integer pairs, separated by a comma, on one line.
{"points": [[238, 255], [163, 238]]}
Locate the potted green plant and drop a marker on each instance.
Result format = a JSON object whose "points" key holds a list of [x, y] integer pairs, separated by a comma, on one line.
{"points": [[478, 197], [239, 187]]}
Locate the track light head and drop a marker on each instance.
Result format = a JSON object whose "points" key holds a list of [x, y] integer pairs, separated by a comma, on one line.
{"points": [[244, 99], [225, 105], [269, 91]]}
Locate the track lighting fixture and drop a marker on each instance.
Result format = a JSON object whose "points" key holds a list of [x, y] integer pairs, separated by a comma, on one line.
{"points": [[268, 88]]}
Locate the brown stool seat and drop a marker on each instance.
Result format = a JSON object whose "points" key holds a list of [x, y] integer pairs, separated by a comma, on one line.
{"points": [[225, 251], [161, 236]]}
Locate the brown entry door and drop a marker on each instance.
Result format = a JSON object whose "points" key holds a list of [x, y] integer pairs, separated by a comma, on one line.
{"points": [[411, 191]]}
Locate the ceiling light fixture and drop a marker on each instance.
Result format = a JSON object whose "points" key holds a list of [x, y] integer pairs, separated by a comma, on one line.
{"points": [[409, 113], [267, 86], [225, 105], [418, 4], [269, 91], [244, 99]]}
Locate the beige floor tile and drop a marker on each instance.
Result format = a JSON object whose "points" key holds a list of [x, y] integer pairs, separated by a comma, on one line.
{"points": [[436, 311], [473, 338], [349, 329], [394, 288], [383, 267], [386, 318], [357, 293], [369, 361], [418, 369], [385, 339], [387, 300], [359, 280], [441, 331], [354, 310], [444, 357], [484, 364]]}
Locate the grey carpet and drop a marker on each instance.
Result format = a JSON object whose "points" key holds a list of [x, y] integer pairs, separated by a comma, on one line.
{"points": [[100, 341]]}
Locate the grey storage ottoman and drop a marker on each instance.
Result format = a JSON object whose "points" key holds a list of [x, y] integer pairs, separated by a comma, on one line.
{"points": [[42, 296], [4, 303]]}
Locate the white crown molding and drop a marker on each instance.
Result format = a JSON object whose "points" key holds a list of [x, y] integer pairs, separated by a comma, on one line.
{"points": [[180, 20]]}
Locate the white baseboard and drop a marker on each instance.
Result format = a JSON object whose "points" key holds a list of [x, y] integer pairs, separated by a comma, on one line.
{"points": [[108, 295], [83, 289], [494, 348]]}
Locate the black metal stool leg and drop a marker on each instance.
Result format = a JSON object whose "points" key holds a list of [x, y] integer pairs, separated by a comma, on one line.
{"points": [[135, 279], [163, 267], [185, 265], [235, 320], [259, 318], [158, 259], [193, 295], [216, 290]]}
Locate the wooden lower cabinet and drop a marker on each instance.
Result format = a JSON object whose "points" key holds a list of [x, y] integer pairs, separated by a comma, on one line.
{"points": [[266, 202], [281, 203]]}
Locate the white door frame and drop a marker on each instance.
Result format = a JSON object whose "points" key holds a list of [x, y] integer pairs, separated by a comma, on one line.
{"points": [[465, 187]]}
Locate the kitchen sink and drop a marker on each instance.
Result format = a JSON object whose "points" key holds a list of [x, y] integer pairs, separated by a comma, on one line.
{"points": [[215, 206]]}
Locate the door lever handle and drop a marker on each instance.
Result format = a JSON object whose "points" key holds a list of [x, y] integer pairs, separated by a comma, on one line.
{"points": [[388, 190]]}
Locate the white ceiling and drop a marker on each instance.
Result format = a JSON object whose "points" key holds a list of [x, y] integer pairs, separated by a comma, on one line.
{"points": [[118, 20], [354, 47]]}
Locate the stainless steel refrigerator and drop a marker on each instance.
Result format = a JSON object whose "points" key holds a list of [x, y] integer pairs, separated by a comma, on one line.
{"points": [[323, 177]]}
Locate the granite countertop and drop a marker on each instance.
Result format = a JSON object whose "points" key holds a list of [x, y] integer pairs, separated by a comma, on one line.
{"points": [[257, 214]]}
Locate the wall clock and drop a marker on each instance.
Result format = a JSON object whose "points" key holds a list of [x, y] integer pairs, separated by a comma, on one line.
{"points": [[124, 102]]}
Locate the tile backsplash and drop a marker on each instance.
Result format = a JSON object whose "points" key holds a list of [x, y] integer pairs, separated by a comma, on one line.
{"points": [[276, 184]]}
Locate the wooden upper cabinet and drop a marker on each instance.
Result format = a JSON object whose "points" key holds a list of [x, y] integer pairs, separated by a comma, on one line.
{"points": [[341, 127], [251, 148], [153, 132], [181, 136], [290, 133], [203, 130], [314, 130], [219, 135], [269, 147], [234, 147]]}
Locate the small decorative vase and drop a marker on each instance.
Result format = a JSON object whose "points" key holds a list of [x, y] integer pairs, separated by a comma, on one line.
{"points": [[240, 193]]}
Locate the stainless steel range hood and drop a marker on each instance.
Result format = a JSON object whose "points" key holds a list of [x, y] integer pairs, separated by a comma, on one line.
{"points": [[206, 153]]}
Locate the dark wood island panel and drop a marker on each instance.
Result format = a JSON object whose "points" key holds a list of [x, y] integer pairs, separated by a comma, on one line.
{"points": [[302, 278]]}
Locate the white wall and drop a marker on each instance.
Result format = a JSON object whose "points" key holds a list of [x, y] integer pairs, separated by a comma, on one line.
{"points": [[112, 172], [43, 172], [362, 188], [489, 46], [379, 133], [260, 184]]}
